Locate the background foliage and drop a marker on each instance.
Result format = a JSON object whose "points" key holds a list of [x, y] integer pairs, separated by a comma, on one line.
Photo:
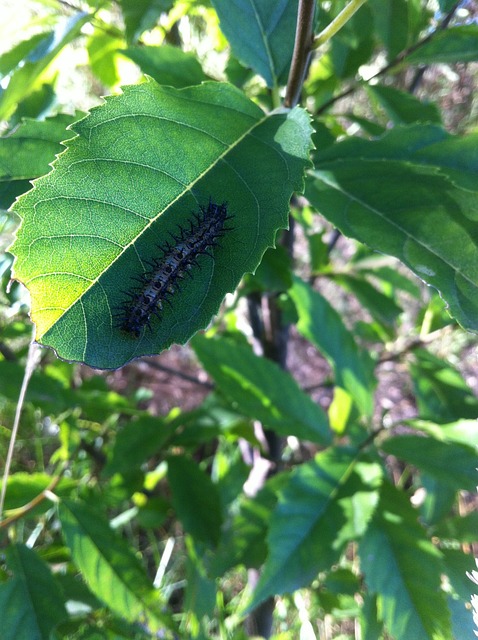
{"points": [[319, 481]]}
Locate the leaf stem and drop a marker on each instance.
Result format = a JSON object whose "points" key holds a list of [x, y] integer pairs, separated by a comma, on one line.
{"points": [[338, 22], [302, 49]]}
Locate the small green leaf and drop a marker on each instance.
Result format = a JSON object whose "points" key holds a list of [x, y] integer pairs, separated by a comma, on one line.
{"points": [[326, 503], [109, 566], [261, 34], [262, 390], [141, 165], [167, 65], [196, 499], [457, 44], [322, 325], [404, 569], [452, 464], [31, 603]]}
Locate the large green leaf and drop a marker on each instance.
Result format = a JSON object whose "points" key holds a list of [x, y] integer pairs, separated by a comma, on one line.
{"points": [[404, 569], [262, 390], [326, 503], [139, 166], [109, 566], [261, 34], [31, 603], [320, 323], [412, 195]]}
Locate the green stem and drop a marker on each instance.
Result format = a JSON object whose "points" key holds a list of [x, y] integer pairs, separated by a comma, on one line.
{"points": [[338, 22]]}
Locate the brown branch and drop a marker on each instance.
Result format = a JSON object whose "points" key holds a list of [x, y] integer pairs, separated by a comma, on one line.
{"points": [[304, 38]]}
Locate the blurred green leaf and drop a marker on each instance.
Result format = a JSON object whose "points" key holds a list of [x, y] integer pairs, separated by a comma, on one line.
{"points": [[463, 431], [451, 463], [31, 602], [455, 44], [274, 272], [382, 308], [458, 564], [102, 50], [196, 499], [403, 568], [167, 65], [261, 34], [440, 498], [370, 624], [23, 487], [463, 528], [21, 51], [441, 393], [142, 15], [322, 325], [402, 107], [25, 78], [138, 441], [353, 45], [243, 536], [392, 22], [262, 390]]}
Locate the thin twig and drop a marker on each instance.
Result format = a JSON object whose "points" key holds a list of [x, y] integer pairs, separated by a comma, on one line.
{"points": [[178, 374]]}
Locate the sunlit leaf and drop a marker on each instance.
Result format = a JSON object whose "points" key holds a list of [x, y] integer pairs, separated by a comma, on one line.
{"points": [[403, 568], [140, 166], [261, 390]]}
